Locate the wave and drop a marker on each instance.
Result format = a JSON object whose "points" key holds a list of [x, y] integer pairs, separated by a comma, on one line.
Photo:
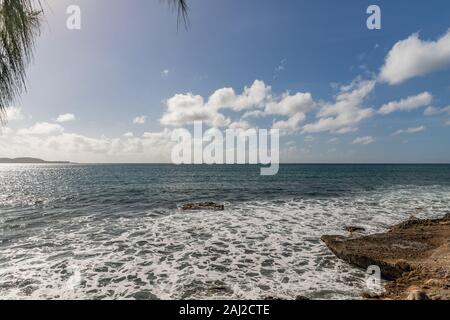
{"points": [[252, 250]]}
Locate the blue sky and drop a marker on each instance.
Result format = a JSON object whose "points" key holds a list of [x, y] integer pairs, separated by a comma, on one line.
{"points": [[128, 61]]}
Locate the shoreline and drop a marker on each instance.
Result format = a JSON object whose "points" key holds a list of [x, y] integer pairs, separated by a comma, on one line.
{"points": [[414, 256]]}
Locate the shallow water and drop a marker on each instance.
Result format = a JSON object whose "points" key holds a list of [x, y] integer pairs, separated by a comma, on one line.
{"points": [[115, 231]]}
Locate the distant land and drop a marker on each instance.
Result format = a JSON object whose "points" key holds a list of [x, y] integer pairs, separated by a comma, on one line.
{"points": [[29, 160]]}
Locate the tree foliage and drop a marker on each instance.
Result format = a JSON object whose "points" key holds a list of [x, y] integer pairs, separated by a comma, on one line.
{"points": [[20, 22]]}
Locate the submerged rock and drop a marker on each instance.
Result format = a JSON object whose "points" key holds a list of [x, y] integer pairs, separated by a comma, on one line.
{"points": [[410, 253], [203, 206]]}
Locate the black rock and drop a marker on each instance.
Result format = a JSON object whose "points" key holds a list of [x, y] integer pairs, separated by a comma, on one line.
{"points": [[203, 206]]}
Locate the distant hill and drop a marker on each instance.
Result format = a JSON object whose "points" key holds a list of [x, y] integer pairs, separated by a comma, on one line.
{"points": [[28, 160]]}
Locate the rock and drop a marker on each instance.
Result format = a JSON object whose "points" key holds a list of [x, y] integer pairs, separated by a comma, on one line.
{"points": [[414, 252], [403, 265], [363, 253], [353, 229], [270, 298], [301, 298], [417, 295], [435, 283], [370, 296], [203, 206]]}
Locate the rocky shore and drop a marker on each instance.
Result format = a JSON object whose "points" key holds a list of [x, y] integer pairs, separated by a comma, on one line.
{"points": [[414, 255]]}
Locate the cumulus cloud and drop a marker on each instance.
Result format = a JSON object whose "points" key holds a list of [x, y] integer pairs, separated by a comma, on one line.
{"points": [[364, 140], [140, 120], [411, 103], [410, 130], [42, 129], [185, 109], [252, 97], [14, 114], [256, 100], [346, 112], [291, 104], [67, 117], [414, 57], [290, 125]]}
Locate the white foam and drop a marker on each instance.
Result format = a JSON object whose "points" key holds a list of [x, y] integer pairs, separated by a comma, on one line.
{"points": [[249, 251]]}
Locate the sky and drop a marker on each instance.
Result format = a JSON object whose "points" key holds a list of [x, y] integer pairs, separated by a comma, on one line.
{"points": [[115, 90]]}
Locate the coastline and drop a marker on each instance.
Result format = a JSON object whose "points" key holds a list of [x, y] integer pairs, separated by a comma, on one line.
{"points": [[414, 256]]}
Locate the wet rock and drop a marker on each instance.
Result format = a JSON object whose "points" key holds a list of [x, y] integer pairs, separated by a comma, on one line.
{"points": [[203, 206], [270, 298], [370, 296], [144, 295], [354, 229], [208, 288]]}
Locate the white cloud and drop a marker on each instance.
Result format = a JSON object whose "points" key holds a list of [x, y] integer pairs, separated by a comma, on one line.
{"points": [[252, 97], [290, 105], [346, 112], [364, 140], [48, 141], [290, 125], [128, 135], [14, 114], [410, 130], [432, 111], [42, 129], [254, 114], [158, 136], [67, 117], [165, 73], [413, 57], [4, 131], [184, 109], [411, 103], [140, 120], [241, 124], [447, 123]]}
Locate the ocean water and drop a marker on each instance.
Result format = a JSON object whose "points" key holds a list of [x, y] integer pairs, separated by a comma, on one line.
{"points": [[116, 231]]}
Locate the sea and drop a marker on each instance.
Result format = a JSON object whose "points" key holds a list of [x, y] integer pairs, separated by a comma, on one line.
{"points": [[116, 231]]}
